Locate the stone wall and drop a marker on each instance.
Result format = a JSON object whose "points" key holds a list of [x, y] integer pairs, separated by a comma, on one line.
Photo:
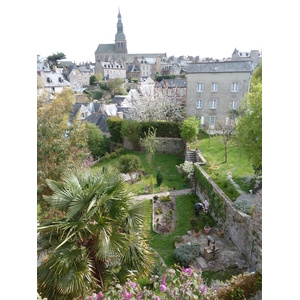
{"points": [[175, 146], [243, 230]]}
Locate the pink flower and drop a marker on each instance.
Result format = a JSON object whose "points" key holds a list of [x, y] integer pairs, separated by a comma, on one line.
{"points": [[163, 280], [99, 296], [138, 296], [163, 288], [203, 290]]}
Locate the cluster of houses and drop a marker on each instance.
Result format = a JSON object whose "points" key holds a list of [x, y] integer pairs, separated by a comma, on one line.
{"points": [[210, 89]]}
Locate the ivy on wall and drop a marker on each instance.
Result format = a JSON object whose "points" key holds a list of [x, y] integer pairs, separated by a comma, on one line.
{"points": [[216, 205]]}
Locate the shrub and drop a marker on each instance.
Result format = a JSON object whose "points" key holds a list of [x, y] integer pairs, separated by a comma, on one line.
{"points": [[114, 125], [185, 254], [195, 223], [113, 155], [190, 129], [98, 143], [165, 198], [159, 178], [129, 163], [132, 130]]}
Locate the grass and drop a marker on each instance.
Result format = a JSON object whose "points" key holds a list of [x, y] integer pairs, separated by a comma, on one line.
{"points": [[164, 243], [238, 164], [165, 162]]}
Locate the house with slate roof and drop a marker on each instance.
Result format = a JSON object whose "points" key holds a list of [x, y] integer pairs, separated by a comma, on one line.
{"points": [[53, 82], [215, 89]]}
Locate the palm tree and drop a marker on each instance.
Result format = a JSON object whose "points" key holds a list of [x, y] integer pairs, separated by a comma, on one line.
{"points": [[102, 233]]}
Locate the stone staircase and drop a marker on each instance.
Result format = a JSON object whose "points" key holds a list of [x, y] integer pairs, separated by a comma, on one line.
{"points": [[191, 155]]}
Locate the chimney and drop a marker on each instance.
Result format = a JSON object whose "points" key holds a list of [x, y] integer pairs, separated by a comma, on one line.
{"points": [[54, 69], [103, 106]]}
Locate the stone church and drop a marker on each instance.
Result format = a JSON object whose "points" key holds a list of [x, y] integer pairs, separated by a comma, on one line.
{"points": [[113, 59], [113, 53]]}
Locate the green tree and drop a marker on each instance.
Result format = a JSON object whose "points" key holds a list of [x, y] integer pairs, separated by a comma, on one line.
{"points": [[55, 57], [150, 143], [248, 132], [61, 144], [116, 86], [97, 143], [93, 79], [190, 128], [102, 232], [129, 163], [159, 178]]}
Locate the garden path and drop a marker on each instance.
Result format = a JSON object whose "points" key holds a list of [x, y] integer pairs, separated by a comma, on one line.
{"points": [[171, 193]]}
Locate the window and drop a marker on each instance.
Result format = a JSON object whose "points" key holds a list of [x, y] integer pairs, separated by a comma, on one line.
{"points": [[212, 121], [214, 87], [234, 87], [199, 103], [233, 104], [199, 87], [202, 120], [169, 92], [227, 121], [213, 104]]}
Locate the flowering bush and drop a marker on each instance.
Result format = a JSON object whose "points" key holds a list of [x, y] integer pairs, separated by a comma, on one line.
{"points": [[186, 168], [178, 283]]}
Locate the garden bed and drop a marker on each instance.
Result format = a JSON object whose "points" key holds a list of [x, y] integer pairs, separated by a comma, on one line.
{"points": [[164, 217]]}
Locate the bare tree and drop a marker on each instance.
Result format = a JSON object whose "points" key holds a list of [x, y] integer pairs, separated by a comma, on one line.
{"points": [[225, 130]]}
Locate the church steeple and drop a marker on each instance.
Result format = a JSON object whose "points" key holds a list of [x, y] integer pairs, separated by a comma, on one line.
{"points": [[120, 39]]}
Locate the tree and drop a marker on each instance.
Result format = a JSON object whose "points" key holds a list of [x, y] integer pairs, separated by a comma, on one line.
{"points": [[61, 144], [93, 79], [97, 142], [225, 130], [249, 128], [190, 128], [101, 233], [54, 58], [150, 143], [159, 178], [154, 106], [116, 86]]}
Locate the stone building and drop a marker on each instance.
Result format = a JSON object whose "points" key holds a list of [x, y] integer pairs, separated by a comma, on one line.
{"points": [[254, 55], [112, 53], [215, 89], [116, 54]]}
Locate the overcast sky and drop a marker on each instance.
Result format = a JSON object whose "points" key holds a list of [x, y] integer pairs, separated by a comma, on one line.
{"points": [[205, 28]]}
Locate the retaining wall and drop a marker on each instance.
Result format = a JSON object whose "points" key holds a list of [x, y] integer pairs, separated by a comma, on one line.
{"points": [[243, 230], [175, 146]]}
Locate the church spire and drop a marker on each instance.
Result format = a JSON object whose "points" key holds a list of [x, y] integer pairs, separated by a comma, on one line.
{"points": [[120, 25]]}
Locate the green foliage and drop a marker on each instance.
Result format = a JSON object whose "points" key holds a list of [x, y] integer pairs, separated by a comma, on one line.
{"points": [[190, 129], [161, 77], [150, 143], [163, 129], [93, 79], [54, 58], [237, 294], [115, 86], [60, 146], [132, 130], [98, 143], [249, 128], [104, 86], [103, 229], [159, 178], [196, 223], [129, 163], [114, 125], [185, 254], [165, 198]]}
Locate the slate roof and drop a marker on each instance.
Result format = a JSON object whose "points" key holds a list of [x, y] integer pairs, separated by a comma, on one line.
{"points": [[130, 57], [118, 99], [54, 79], [125, 111], [133, 68], [99, 120], [220, 67], [105, 48]]}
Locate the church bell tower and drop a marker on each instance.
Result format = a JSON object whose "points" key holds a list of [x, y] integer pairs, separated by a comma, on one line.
{"points": [[120, 39]]}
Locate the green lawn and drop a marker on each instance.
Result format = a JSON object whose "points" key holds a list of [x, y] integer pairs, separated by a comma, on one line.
{"points": [[237, 163], [167, 164], [164, 243]]}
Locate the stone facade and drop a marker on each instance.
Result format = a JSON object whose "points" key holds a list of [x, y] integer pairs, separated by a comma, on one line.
{"points": [[244, 231], [215, 90]]}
